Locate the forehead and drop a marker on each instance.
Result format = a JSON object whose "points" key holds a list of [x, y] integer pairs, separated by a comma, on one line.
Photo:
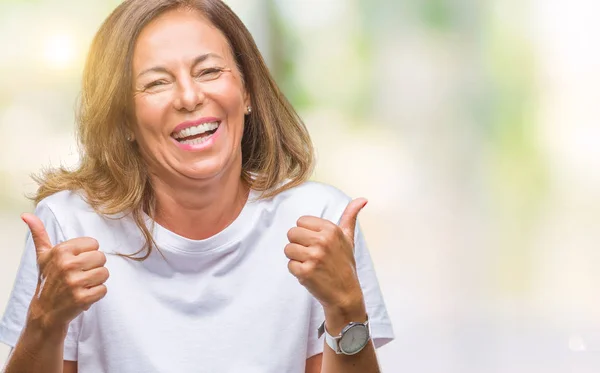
{"points": [[177, 36]]}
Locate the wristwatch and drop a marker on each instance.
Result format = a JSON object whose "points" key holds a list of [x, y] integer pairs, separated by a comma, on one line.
{"points": [[353, 338]]}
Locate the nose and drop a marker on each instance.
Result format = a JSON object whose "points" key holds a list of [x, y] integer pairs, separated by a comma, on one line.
{"points": [[189, 95]]}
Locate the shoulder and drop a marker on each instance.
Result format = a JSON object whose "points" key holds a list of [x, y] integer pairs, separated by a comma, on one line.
{"points": [[70, 211], [317, 192], [313, 198], [64, 202]]}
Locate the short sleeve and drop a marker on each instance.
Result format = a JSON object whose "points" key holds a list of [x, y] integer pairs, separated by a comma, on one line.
{"points": [[380, 324], [379, 320], [15, 314]]}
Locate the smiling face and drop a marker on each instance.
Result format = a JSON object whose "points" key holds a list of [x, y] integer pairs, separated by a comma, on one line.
{"points": [[189, 98]]}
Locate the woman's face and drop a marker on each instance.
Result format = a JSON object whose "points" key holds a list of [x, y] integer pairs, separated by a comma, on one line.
{"points": [[189, 98]]}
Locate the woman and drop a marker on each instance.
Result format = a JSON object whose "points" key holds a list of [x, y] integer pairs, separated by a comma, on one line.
{"points": [[188, 239]]}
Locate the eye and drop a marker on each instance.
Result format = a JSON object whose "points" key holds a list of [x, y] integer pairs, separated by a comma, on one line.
{"points": [[155, 83], [210, 73]]}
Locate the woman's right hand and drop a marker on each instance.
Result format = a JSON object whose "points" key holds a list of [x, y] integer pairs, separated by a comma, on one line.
{"points": [[71, 278]]}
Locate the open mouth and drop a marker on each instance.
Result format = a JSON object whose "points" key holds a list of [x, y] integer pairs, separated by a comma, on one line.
{"points": [[196, 134]]}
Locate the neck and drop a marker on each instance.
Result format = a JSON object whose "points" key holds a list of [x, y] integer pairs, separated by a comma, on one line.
{"points": [[200, 210]]}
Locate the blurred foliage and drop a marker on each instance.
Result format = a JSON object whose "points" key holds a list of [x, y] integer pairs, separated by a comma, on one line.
{"points": [[518, 178], [285, 43], [437, 14]]}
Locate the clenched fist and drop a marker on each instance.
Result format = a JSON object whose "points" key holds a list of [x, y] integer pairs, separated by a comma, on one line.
{"points": [[321, 257], [71, 277]]}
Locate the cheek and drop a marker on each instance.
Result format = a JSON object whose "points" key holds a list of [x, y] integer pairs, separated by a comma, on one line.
{"points": [[148, 111], [228, 94]]}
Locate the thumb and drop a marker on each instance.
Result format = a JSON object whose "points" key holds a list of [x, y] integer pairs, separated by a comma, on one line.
{"points": [[348, 219], [38, 233]]}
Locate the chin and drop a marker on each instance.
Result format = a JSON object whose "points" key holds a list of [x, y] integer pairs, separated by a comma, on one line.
{"points": [[206, 169]]}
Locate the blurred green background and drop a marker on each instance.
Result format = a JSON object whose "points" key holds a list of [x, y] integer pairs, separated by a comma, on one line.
{"points": [[471, 126]]}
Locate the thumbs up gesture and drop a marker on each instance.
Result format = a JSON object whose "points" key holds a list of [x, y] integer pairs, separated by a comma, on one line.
{"points": [[321, 257], [71, 277]]}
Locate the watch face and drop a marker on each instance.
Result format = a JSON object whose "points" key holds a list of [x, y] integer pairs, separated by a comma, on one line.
{"points": [[354, 339]]}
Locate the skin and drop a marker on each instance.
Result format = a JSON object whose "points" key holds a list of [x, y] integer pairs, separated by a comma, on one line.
{"points": [[193, 189], [321, 257], [72, 276]]}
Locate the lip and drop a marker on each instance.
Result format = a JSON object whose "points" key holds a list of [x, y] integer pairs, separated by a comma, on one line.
{"points": [[199, 147], [193, 123]]}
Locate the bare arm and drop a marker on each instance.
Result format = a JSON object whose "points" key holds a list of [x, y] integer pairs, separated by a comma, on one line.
{"points": [[363, 362], [314, 363], [68, 366], [37, 351], [322, 258], [71, 279], [330, 362]]}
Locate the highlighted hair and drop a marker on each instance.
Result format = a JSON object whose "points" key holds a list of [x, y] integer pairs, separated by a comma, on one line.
{"points": [[277, 153]]}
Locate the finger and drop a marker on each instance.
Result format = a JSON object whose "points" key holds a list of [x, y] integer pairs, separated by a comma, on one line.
{"points": [[296, 252], [313, 223], [91, 259], [296, 268], [94, 277], [348, 219], [87, 279], [80, 245], [40, 237], [303, 236], [89, 296]]}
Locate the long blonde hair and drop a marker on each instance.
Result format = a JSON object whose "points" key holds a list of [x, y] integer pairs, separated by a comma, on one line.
{"points": [[277, 153]]}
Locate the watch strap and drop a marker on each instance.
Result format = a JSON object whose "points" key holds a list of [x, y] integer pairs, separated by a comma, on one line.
{"points": [[332, 341]]}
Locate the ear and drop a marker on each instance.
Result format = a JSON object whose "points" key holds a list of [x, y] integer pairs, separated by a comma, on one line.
{"points": [[129, 131], [247, 104], [247, 101]]}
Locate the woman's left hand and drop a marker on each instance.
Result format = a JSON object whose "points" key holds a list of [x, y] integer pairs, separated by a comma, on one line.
{"points": [[321, 257]]}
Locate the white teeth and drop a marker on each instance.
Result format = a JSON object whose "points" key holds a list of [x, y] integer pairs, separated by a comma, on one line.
{"points": [[196, 130], [197, 141]]}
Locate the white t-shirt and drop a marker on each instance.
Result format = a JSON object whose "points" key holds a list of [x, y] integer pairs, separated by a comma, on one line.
{"points": [[224, 304]]}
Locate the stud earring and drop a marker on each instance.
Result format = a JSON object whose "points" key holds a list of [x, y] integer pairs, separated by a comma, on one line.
{"points": [[129, 137], [249, 110]]}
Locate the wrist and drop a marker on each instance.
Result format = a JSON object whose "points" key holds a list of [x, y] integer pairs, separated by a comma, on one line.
{"points": [[41, 325], [336, 318]]}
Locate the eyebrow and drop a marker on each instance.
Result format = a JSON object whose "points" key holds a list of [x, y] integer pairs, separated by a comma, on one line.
{"points": [[199, 59]]}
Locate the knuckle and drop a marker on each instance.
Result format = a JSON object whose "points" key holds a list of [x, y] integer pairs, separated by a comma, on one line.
{"points": [[67, 264], [309, 269], [318, 255], [322, 240], [79, 298], [304, 277], [101, 257], [302, 220], [288, 249], [299, 274], [105, 274], [90, 242], [296, 270], [290, 233], [328, 226], [62, 249], [102, 290], [71, 281]]}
